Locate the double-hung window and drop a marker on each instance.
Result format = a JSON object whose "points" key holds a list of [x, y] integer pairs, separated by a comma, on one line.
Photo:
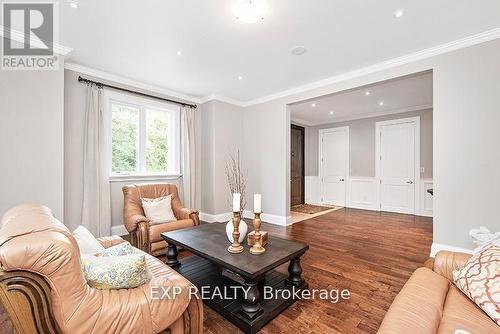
{"points": [[145, 137]]}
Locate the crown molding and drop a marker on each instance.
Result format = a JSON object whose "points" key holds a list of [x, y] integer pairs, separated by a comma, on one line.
{"points": [[395, 62], [129, 82], [20, 38], [301, 121], [220, 98], [365, 115]]}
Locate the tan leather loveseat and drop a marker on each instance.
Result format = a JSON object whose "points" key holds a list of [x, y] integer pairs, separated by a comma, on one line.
{"points": [[43, 288], [430, 303], [144, 235]]}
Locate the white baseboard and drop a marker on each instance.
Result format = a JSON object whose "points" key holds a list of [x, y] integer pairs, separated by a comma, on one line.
{"points": [[119, 230], [218, 218], [267, 218], [435, 248]]}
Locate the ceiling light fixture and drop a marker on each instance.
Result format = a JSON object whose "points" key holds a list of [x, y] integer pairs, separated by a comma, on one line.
{"points": [[179, 53], [367, 93], [381, 103], [331, 112], [298, 50], [240, 77], [73, 4], [250, 11], [313, 105], [399, 13]]}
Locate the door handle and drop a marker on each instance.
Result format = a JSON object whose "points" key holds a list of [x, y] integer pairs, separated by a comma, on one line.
{"points": [[409, 182]]}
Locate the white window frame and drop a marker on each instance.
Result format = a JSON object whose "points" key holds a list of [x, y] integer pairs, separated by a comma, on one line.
{"points": [[144, 104]]}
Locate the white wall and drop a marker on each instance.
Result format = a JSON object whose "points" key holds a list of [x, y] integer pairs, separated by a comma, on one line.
{"points": [[466, 140], [74, 111], [222, 134], [31, 138]]}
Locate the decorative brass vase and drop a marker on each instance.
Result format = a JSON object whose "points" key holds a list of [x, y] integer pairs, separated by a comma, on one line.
{"points": [[257, 248], [236, 247]]}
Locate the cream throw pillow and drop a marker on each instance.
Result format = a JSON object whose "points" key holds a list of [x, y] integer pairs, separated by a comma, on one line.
{"points": [[86, 241], [479, 280], [158, 210]]}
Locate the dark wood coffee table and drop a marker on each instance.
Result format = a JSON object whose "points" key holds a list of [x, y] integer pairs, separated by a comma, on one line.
{"points": [[214, 267]]}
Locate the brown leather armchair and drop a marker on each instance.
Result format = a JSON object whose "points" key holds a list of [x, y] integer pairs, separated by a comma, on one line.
{"points": [[44, 290], [143, 235]]}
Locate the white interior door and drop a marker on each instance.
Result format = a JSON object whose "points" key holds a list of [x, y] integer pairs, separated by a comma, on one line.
{"points": [[397, 167], [334, 165]]}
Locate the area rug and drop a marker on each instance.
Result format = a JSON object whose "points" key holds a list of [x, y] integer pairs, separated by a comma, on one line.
{"points": [[310, 209]]}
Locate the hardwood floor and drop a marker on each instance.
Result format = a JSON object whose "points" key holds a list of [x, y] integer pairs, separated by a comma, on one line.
{"points": [[370, 253]]}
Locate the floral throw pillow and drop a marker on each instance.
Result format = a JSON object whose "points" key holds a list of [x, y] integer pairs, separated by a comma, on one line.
{"points": [[479, 280], [116, 272], [125, 248]]}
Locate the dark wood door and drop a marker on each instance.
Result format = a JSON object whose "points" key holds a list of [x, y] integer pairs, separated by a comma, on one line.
{"points": [[297, 172]]}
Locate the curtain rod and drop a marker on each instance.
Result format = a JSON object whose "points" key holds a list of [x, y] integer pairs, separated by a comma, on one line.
{"points": [[100, 84]]}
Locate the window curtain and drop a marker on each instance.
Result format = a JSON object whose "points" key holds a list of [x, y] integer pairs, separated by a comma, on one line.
{"points": [[188, 155], [96, 210]]}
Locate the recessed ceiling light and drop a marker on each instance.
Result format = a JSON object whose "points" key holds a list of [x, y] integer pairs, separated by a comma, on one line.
{"points": [[381, 103], [240, 77], [250, 11], [298, 50], [368, 93], [179, 53], [331, 112], [399, 13], [73, 4], [313, 105]]}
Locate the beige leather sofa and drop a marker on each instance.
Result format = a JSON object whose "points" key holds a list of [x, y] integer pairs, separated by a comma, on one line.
{"points": [[430, 303], [143, 235], [43, 288]]}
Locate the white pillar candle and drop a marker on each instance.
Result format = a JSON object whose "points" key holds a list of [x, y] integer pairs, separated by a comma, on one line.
{"points": [[257, 203], [236, 202]]}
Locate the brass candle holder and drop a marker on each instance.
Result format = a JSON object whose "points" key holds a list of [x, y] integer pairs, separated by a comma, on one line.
{"points": [[236, 247], [257, 248]]}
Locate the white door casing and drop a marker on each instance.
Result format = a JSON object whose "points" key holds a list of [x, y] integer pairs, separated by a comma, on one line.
{"points": [[398, 165], [334, 165]]}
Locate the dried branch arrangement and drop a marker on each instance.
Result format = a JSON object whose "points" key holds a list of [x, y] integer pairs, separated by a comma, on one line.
{"points": [[236, 180]]}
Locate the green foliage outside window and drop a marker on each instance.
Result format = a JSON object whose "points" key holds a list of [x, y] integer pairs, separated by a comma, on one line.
{"points": [[125, 140], [125, 122], [156, 145]]}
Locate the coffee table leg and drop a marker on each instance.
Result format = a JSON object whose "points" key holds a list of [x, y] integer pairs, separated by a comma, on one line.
{"points": [[250, 306], [172, 254], [294, 272]]}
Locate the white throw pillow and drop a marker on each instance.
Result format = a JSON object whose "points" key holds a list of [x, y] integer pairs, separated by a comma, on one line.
{"points": [[158, 210], [87, 243]]}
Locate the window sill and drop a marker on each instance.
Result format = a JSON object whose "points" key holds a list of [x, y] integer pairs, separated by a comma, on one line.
{"points": [[142, 178]]}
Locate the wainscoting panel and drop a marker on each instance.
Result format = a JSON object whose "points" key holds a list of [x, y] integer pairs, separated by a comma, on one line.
{"points": [[363, 193], [425, 198], [313, 190]]}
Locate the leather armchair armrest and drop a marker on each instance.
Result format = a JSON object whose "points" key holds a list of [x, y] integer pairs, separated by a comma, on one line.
{"points": [[132, 221], [445, 262], [113, 240], [185, 213], [140, 237]]}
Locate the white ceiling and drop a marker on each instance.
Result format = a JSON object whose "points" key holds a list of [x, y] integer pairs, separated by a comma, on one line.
{"points": [[139, 39], [399, 95]]}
